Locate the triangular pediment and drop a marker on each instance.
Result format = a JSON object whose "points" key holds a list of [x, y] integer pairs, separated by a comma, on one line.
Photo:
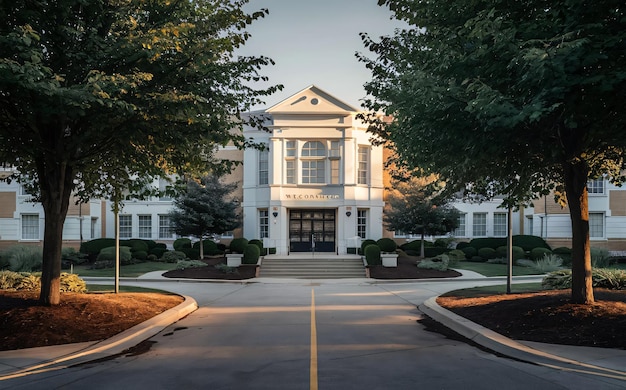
{"points": [[311, 100]]}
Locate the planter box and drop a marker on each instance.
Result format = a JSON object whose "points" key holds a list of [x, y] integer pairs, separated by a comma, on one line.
{"points": [[234, 259], [389, 259]]}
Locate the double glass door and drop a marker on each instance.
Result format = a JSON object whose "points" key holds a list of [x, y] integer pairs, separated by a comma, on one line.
{"points": [[312, 230]]}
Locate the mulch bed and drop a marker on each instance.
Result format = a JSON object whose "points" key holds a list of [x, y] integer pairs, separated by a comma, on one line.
{"points": [[210, 272]]}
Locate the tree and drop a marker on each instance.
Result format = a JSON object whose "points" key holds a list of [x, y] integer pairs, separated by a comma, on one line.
{"points": [[515, 98], [205, 209], [415, 207], [97, 94]]}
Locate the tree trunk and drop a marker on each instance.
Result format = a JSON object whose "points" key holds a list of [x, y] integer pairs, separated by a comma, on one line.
{"points": [[422, 252], [55, 180], [576, 176]]}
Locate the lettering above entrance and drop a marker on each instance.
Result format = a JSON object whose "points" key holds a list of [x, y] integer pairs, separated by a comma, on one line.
{"points": [[310, 197]]}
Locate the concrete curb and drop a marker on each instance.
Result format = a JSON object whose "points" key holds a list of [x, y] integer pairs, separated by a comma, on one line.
{"points": [[86, 352], [508, 347]]}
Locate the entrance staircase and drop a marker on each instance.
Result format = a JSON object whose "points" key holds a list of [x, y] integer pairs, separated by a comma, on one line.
{"points": [[312, 266]]}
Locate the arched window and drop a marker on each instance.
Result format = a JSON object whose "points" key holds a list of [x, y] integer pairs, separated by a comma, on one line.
{"points": [[313, 149], [313, 162]]}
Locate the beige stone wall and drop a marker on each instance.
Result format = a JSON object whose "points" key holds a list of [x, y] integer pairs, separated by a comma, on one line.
{"points": [[553, 207], [7, 204], [617, 203]]}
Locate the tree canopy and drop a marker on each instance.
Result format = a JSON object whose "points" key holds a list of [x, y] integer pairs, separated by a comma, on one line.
{"points": [[414, 206], [511, 98], [204, 209], [100, 92]]}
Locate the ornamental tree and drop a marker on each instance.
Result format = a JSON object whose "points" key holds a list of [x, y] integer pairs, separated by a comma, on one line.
{"points": [[100, 94], [414, 206], [512, 98], [205, 209]]}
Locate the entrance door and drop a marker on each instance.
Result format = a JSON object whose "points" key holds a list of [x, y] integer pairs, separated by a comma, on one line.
{"points": [[312, 229]]}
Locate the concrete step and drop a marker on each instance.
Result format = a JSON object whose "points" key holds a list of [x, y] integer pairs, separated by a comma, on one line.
{"points": [[312, 268]]}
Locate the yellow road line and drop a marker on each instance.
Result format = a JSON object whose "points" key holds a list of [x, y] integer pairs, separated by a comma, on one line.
{"points": [[313, 369]]}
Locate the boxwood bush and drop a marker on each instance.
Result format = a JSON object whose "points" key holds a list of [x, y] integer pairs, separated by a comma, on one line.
{"points": [[564, 253], [365, 243], [251, 254], [528, 243], [173, 256], [372, 255], [387, 245], [238, 245], [108, 254], [433, 251], [518, 252], [93, 247], [487, 253], [180, 243], [470, 252], [158, 251], [191, 253], [538, 253], [209, 248]]}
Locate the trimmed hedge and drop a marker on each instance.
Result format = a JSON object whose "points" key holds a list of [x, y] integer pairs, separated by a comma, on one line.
{"points": [[387, 245], [470, 252], [518, 252], [108, 254], [93, 247], [210, 247], [416, 245], [180, 243], [372, 255], [528, 243], [251, 254], [191, 253], [158, 251], [365, 243], [538, 253], [433, 251], [487, 253], [238, 245], [173, 256], [564, 253], [491, 242]]}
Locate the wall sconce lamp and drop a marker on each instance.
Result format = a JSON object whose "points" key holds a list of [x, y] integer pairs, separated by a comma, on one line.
{"points": [[275, 214], [348, 213]]}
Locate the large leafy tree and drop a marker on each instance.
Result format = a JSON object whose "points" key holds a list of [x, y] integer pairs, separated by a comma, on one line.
{"points": [[415, 206], [97, 93], [517, 98], [205, 209]]}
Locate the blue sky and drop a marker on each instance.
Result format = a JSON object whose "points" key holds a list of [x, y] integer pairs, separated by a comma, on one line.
{"points": [[314, 42]]}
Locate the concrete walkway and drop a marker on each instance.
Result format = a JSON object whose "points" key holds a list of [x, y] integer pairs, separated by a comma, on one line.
{"points": [[608, 363]]}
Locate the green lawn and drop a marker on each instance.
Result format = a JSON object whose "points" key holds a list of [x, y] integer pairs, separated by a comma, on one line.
{"points": [[490, 269], [493, 290], [129, 271]]}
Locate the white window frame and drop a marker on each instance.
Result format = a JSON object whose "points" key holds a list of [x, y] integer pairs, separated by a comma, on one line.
{"points": [[165, 227], [461, 230], [482, 225], [363, 157], [30, 227], [361, 223], [500, 224], [264, 223], [597, 230], [145, 225], [264, 167], [596, 187], [126, 226]]}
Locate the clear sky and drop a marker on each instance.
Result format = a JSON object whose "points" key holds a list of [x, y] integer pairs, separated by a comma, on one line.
{"points": [[314, 42]]}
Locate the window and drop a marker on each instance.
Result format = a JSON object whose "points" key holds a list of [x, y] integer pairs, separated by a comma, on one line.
{"points": [[334, 171], [165, 227], [94, 225], [290, 168], [264, 223], [460, 231], [264, 167], [30, 227], [595, 186], [290, 149], [126, 226], [313, 149], [313, 171], [499, 224], [334, 149], [361, 223], [145, 226], [596, 225], [363, 165], [479, 225]]}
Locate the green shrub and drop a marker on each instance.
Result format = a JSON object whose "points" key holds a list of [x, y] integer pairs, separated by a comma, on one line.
{"points": [[444, 242], [538, 253], [470, 252], [191, 253], [455, 256], [159, 245], [387, 245], [352, 251], [256, 242], [180, 243], [518, 252], [209, 247], [565, 254], [184, 264], [173, 256], [70, 256], [158, 251], [108, 254], [416, 245], [434, 251], [72, 283], [487, 253], [92, 248], [140, 255], [490, 242], [223, 268], [365, 243], [528, 243], [439, 263], [152, 257], [138, 245], [238, 245], [372, 255], [102, 264], [272, 251], [23, 258], [614, 279], [600, 258], [251, 254], [548, 263], [462, 244], [151, 244]]}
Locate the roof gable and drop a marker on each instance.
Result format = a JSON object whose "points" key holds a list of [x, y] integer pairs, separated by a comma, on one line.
{"points": [[311, 100]]}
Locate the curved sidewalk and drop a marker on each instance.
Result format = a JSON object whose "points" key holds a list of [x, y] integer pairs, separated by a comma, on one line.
{"points": [[595, 361]]}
